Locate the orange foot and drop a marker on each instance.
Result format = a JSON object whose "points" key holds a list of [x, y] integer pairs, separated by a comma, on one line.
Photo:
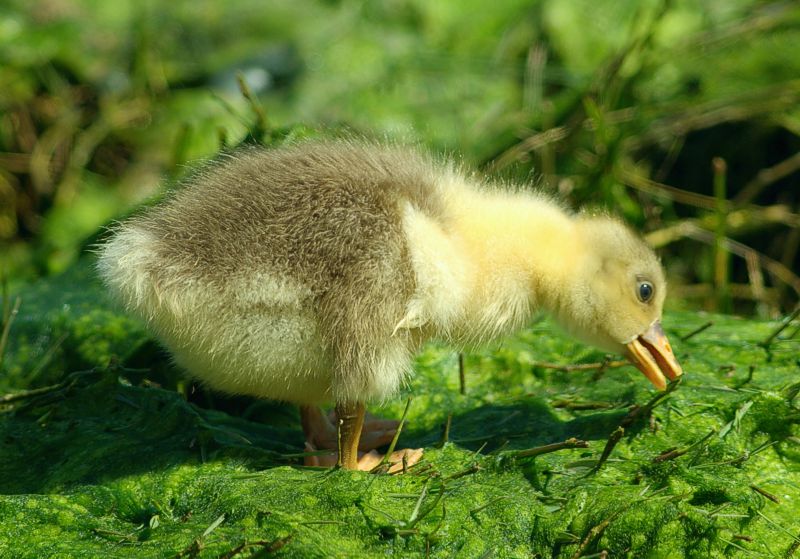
{"points": [[322, 434]]}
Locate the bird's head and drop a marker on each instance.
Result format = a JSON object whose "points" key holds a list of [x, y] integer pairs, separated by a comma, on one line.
{"points": [[615, 297]]}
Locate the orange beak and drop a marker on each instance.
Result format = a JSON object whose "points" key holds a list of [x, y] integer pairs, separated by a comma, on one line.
{"points": [[652, 354]]}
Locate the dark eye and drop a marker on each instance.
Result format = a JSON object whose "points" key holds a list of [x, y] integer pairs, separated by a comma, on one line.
{"points": [[645, 291]]}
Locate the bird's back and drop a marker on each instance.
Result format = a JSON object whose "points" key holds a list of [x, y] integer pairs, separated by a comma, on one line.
{"points": [[268, 258], [315, 212]]}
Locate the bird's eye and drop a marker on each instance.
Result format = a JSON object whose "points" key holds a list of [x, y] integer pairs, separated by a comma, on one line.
{"points": [[645, 291]]}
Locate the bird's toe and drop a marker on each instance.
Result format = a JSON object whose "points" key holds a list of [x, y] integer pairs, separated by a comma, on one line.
{"points": [[373, 438]]}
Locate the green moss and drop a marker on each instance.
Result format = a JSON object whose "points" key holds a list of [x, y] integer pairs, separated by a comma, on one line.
{"points": [[109, 464], [65, 323]]}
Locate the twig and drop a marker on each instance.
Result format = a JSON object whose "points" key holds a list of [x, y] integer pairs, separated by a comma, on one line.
{"points": [[629, 419], [743, 291], [696, 331], [633, 180], [739, 460], [601, 371], [766, 494], [777, 269], [545, 449], [530, 144], [759, 20], [766, 177], [721, 256], [613, 439], [673, 453], [475, 468], [48, 355], [7, 328], [756, 276], [670, 454], [778, 526], [120, 537], [268, 547], [745, 220], [462, 379], [385, 460], [792, 548], [788, 320], [446, 430], [408, 527], [67, 383], [4, 309], [639, 411], [578, 406], [261, 117], [593, 533], [794, 332], [340, 454], [581, 366], [214, 525], [746, 105]]}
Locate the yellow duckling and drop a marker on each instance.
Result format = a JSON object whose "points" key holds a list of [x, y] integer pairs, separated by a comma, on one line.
{"points": [[313, 273]]}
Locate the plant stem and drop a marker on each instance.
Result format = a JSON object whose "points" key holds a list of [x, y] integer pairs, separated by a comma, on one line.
{"points": [[721, 255], [545, 449]]}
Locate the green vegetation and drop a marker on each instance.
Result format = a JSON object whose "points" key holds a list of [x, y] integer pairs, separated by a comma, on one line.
{"points": [[622, 104], [115, 462], [683, 117]]}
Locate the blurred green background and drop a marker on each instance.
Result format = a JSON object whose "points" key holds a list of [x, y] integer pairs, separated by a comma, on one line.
{"points": [[682, 116]]}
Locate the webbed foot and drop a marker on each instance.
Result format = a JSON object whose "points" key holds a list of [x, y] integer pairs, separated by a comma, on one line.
{"points": [[359, 430]]}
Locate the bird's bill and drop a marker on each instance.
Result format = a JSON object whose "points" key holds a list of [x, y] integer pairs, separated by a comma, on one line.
{"points": [[651, 353]]}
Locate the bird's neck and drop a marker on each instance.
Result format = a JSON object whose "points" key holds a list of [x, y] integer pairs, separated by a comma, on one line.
{"points": [[491, 262], [521, 239], [523, 251]]}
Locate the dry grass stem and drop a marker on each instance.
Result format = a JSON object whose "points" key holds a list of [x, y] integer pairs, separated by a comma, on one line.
{"points": [[593, 533], [545, 449], [721, 255], [777, 269], [649, 186], [766, 177], [613, 439], [751, 104], [383, 464], [786, 322], [581, 406], [7, 322], [462, 378], [697, 330], [765, 494], [643, 411], [581, 366], [756, 276], [737, 222], [446, 430], [261, 117]]}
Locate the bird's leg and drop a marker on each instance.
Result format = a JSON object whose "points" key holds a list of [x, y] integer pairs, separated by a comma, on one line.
{"points": [[321, 429], [324, 432], [316, 427], [351, 421]]}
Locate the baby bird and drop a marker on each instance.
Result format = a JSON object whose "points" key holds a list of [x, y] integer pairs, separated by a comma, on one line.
{"points": [[312, 273]]}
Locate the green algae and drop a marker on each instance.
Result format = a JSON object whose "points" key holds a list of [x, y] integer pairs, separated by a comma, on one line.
{"points": [[113, 461], [65, 324]]}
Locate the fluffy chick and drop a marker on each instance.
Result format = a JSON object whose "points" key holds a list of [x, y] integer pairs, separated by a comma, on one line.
{"points": [[312, 273]]}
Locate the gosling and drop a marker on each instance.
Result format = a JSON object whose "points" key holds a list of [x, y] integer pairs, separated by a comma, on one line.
{"points": [[313, 273]]}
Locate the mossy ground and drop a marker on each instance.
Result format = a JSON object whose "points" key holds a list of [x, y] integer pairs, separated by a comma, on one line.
{"points": [[124, 460]]}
